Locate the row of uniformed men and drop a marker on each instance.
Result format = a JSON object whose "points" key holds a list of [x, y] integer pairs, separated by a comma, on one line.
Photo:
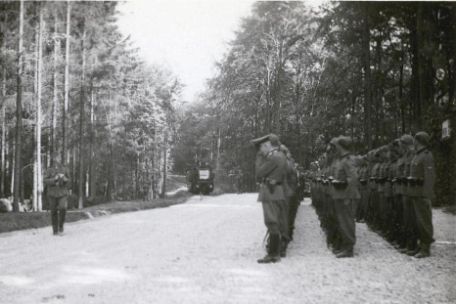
{"points": [[278, 178], [397, 188], [390, 188]]}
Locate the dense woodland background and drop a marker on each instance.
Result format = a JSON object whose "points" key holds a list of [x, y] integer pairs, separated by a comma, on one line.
{"points": [[74, 90], [371, 70]]}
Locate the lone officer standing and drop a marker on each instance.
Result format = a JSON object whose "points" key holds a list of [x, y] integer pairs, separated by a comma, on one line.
{"points": [[422, 179], [56, 181], [271, 169]]}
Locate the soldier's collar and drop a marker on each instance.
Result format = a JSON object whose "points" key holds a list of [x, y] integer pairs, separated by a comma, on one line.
{"points": [[345, 154], [421, 150]]}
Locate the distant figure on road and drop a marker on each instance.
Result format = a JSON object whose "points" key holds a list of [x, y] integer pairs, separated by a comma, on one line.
{"points": [[271, 166], [57, 181]]}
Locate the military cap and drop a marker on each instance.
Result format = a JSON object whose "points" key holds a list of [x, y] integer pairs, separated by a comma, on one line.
{"points": [[274, 139], [333, 141], [407, 139], [345, 142], [423, 138]]}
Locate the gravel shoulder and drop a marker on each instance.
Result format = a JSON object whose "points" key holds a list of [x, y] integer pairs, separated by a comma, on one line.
{"points": [[205, 251]]}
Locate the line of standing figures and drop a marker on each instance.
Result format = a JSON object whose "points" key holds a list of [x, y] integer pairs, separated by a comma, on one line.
{"points": [[391, 188]]}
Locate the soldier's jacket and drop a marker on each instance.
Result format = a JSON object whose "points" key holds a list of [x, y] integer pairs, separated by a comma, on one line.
{"points": [[272, 169], [54, 188], [422, 169], [381, 176], [397, 178], [344, 170], [373, 176], [406, 173], [291, 180], [388, 189]]}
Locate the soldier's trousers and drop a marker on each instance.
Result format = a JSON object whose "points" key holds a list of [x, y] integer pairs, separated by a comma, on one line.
{"points": [[345, 222], [273, 213], [423, 216], [409, 220], [58, 206], [292, 211]]}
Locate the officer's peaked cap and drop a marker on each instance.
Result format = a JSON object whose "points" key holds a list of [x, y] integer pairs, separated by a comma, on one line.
{"points": [[274, 139], [345, 142]]}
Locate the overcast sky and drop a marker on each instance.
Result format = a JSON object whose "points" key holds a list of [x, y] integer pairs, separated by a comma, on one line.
{"points": [[187, 37]]}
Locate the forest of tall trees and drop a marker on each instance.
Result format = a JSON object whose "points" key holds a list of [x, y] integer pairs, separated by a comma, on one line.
{"points": [[73, 90], [370, 70]]}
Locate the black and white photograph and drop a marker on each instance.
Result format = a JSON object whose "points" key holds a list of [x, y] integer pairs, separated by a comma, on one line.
{"points": [[227, 152]]}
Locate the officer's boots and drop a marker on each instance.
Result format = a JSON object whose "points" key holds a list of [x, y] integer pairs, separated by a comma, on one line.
{"points": [[346, 253], [283, 248], [412, 248], [425, 251], [62, 214], [55, 221], [273, 254]]}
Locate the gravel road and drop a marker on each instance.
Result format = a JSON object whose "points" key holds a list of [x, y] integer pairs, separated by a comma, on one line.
{"points": [[205, 251]]}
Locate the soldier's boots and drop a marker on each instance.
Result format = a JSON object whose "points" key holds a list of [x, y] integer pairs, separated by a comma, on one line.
{"points": [[346, 253], [413, 251], [424, 252], [273, 254], [283, 248], [61, 220], [55, 222]]}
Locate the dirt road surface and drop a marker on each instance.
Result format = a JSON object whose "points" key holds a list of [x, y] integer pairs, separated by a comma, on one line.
{"points": [[205, 251]]}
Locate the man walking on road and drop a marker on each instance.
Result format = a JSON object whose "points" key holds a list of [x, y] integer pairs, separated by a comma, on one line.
{"points": [[56, 181], [271, 166]]}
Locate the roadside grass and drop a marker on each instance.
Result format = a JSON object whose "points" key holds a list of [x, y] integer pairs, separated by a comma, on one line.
{"points": [[29, 220]]}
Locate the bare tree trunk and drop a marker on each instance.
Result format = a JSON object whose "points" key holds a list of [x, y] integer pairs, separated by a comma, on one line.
{"points": [[92, 184], [18, 163], [3, 116], [81, 127], [38, 174], [163, 190], [35, 100], [367, 76], [67, 83], [53, 144]]}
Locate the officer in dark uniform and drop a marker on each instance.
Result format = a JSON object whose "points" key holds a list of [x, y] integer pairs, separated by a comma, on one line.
{"points": [[422, 179], [57, 182], [345, 191], [271, 169]]}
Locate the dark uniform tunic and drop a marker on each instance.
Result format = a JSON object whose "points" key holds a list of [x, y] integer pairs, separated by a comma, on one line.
{"points": [[271, 171], [344, 196], [422, 179], [56, 181]]}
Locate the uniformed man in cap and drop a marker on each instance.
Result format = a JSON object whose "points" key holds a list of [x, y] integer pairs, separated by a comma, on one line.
{"points": [[271, 169], [345, 191], [422, 179], [57, 181]]}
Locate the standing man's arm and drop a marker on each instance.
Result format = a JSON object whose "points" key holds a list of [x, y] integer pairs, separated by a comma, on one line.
{"points": [[266, 168]]}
